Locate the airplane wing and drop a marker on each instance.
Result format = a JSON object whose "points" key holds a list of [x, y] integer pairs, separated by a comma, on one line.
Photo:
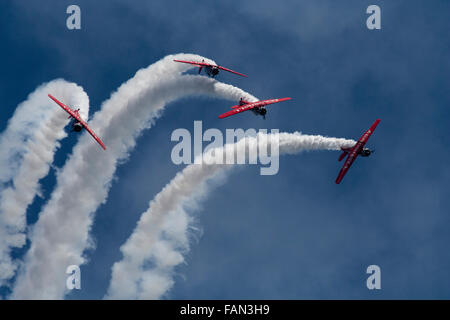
{"points": [[92, 133], [345, 152], [229, 70], [350, 159], [66, 108], [203, 64], [198, 64], [238, 109], [272, 101], [369, 132]]}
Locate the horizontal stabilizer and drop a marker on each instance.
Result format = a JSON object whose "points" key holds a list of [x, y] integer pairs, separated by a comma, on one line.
{"points": [[343, 155]]}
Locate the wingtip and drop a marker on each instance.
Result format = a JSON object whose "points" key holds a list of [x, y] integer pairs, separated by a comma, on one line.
{"points": [[375, 124]]}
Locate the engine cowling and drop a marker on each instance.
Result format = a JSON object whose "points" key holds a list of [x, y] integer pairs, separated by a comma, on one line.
{"points": [[214, 71], [77, 127], [365, 152]]}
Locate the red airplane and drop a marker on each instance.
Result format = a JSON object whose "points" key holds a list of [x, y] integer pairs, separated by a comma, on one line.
{"points": [[78, 123], [355, 151], [257, 107], [211, 69]]}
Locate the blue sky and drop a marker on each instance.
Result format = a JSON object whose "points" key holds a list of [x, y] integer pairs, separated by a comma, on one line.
{"points": [[295, 235]]}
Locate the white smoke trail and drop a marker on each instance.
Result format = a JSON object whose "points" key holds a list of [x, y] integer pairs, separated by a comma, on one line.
{"points": [[27, 148], [161, 237], [62, 232]]}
